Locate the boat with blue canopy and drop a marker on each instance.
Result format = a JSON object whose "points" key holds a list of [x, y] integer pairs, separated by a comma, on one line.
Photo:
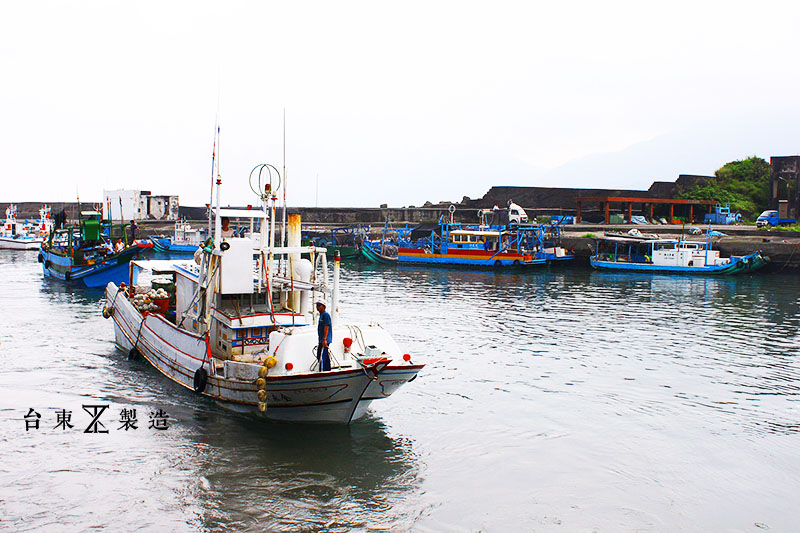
{"points": [[670, 256], [502, 239]]}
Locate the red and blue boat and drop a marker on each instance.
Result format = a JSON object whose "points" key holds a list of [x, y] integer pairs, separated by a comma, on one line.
{"points": [[502, 239], [454, 244]]}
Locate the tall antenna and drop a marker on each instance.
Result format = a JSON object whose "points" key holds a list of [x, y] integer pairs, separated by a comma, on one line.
{"points": [[213, 161], [214, 156], [283, 229]]}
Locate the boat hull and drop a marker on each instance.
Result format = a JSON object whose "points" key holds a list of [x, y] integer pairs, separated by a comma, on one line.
{"points": [[467, 257], [113, 269], [165, 245], [330, 397], [22, 243], [375, 257]]}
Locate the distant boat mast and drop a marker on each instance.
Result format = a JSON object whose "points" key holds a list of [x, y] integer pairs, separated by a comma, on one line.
{"points": [[213, 164], [283, 228]]}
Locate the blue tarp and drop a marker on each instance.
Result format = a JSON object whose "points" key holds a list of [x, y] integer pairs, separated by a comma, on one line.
{"points": [[639, 220]]}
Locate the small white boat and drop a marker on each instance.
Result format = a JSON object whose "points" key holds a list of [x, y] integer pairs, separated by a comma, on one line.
{"points": [[240, 327], [25, 235]]}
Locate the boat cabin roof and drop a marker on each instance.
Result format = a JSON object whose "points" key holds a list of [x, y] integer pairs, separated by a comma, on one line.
{"points": [[241, 213], [162, 266], [189, 269], [653, 241], [487, 233]]}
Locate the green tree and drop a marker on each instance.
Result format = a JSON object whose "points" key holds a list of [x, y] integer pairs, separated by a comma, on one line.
{"points": [[743, 184]]}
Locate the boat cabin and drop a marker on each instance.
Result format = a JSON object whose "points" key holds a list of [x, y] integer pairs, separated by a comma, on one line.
{"points": [[684, 253], [490, 241], [243, 310]]}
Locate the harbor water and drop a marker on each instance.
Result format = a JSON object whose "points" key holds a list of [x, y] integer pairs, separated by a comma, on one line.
{"points": [[553, 400]]}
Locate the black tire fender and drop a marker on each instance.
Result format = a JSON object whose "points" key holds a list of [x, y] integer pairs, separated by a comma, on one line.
{"points": [[40, 258], [200, 380]]}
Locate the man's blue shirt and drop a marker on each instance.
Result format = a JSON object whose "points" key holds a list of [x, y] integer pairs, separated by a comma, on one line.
{"points": [[325, 320]]}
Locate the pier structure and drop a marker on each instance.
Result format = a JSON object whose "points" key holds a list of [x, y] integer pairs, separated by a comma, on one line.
{"points": [[628, 203]]}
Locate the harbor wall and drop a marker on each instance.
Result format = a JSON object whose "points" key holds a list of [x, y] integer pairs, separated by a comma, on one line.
{"points": [[536, 200]]}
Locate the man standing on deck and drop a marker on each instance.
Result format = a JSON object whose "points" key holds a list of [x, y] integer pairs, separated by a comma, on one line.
{"points": [[325, 334]]}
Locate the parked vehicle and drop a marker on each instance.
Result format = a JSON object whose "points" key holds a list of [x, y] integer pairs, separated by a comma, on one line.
{"points": [[722, 215], [771, 218]]}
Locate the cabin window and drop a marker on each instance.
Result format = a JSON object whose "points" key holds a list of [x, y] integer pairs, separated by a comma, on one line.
{"points": [[241, 333], [256, 332]]}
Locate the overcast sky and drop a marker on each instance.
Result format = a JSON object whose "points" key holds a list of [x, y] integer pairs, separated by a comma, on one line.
{"points": [[392, 103]]}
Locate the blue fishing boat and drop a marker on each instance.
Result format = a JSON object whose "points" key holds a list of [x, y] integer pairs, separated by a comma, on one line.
{"points": [[86, 253], [670, 256]]}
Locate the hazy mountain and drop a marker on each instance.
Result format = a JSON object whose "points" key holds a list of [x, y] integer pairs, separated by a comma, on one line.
{"points": [[698, 150]]}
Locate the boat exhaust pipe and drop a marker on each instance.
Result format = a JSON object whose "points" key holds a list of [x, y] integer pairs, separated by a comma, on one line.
{"points": [[293, 238], [335, 297]]}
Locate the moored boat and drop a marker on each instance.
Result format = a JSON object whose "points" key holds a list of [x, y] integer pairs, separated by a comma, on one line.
{"points": [[184, 239], [239, 327], [507, 244], [670, 256], [376, 252], [25, 235], [86, 253], [345, 240]]}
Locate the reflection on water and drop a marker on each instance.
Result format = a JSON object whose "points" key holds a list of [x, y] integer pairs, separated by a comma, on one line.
{"points": [[555, 399], [314, 477]]}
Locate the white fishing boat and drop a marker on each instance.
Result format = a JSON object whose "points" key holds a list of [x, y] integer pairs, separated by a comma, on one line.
{"points": [[238, 325], [24, 235]]}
